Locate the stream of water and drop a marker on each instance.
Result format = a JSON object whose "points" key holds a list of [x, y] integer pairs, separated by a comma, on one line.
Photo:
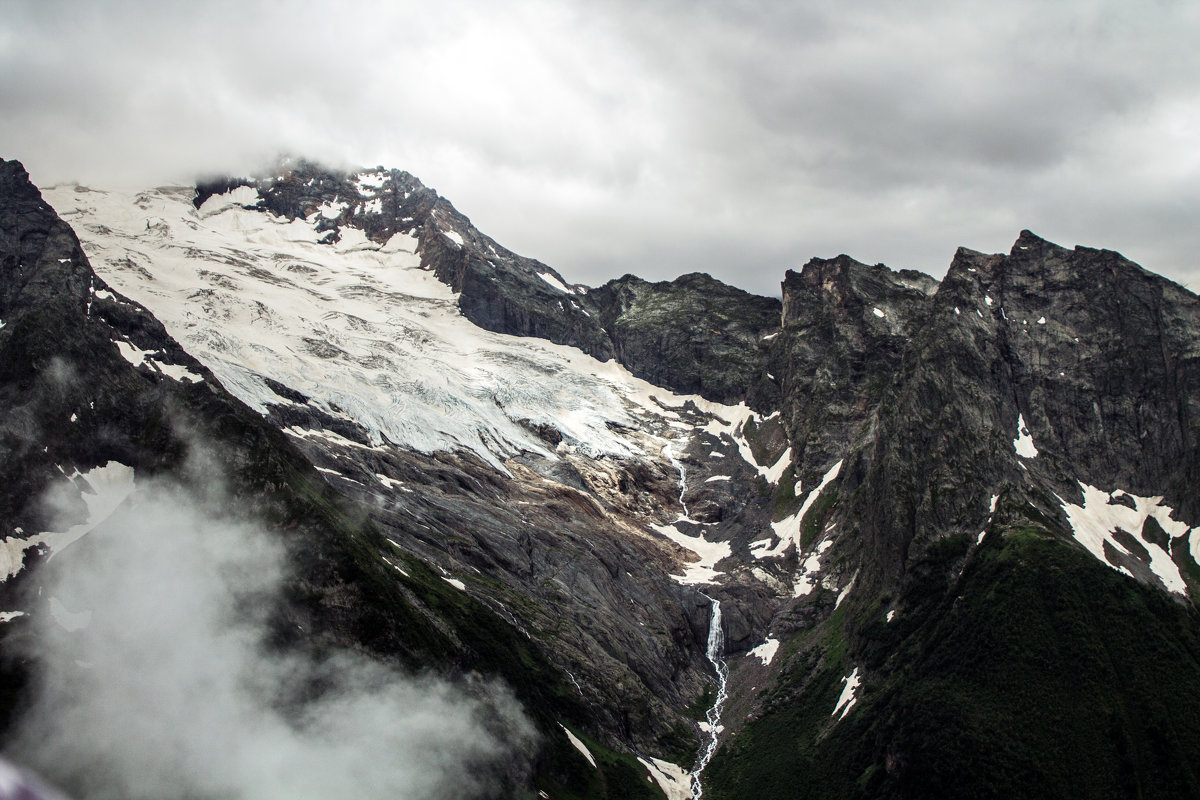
{"points": [[715, 652], [670, 454]]}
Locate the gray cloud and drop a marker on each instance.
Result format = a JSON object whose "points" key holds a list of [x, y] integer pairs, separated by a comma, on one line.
{"points": [[157, 682], [738, 138]]}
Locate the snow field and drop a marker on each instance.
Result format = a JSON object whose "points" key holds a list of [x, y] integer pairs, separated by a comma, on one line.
{"points": [[358, 328]]}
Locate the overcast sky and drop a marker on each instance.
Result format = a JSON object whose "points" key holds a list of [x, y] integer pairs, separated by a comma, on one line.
{"points": [[654, 136]]}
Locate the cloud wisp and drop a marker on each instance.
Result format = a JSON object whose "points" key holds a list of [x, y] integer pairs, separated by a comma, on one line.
{"points": [[155, 682]]}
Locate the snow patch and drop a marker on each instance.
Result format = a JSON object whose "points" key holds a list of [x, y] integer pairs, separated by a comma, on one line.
{"points": [[456, 583], [9, 616], [370, 181], [136, 356], [809, 572], [391, 483], [673, 779], [877, 312], [849, 695], [580, 746], [454, 237], [1023, 444], [332, 209], [845, 592], [708, 555], [555, 282], [103, 489], [788, 528], [403, 243], [774, 472], [766, 651], [1096, 521], [238, 197], [717, 478], [69, 621], [354, 239]]}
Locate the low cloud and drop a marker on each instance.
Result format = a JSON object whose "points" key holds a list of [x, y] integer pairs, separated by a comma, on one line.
{"points": [[154, 680]]}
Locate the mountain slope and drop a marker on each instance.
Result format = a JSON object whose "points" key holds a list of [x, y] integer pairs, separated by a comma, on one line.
{"points": [[903, 538]]}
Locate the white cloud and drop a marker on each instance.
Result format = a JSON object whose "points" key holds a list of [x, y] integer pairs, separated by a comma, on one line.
{"points": [[172, 688], [659, 138]]}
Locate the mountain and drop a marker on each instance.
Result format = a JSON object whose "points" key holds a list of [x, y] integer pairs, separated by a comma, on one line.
{"points": [[889, 537]]}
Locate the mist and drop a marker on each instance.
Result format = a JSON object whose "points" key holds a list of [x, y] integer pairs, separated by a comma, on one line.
{"points": [[154, 681]]}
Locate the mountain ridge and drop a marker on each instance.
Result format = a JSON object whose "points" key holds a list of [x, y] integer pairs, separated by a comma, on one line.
{"points": [[838, 469]]}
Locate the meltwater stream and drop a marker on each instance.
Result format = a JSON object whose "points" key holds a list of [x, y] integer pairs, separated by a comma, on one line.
{"points": [[715, 652], [670, 454]]}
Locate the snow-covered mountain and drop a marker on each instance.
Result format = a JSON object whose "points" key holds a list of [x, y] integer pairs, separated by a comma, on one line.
{"points": [[711, 542]]}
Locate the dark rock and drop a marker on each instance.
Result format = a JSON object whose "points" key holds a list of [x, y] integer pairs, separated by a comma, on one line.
{"points": [[694, 335]]}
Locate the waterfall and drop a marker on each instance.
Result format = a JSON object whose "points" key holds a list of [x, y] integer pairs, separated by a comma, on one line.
{"points": [[715, 653], [682, 477]]}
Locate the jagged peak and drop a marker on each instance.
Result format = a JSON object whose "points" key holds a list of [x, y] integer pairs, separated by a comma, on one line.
{"points": [[1029, 243], [847, 278], [15, 182]]}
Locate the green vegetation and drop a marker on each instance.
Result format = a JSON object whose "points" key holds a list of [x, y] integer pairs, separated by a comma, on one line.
{"points": [[786, 502], [815, 518], [699, 709], [616, 776], [1037, 672]]}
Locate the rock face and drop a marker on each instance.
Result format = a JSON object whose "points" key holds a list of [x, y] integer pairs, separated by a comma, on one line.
{"points": [[1090, 354], [694, 334], [1000, 478], [846, 326]]}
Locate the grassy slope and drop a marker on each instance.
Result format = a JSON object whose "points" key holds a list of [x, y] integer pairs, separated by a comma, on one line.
{"points": [[1039, 673]]}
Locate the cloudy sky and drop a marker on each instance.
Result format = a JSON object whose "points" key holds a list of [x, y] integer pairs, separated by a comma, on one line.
{"points": [[654, 136]]}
